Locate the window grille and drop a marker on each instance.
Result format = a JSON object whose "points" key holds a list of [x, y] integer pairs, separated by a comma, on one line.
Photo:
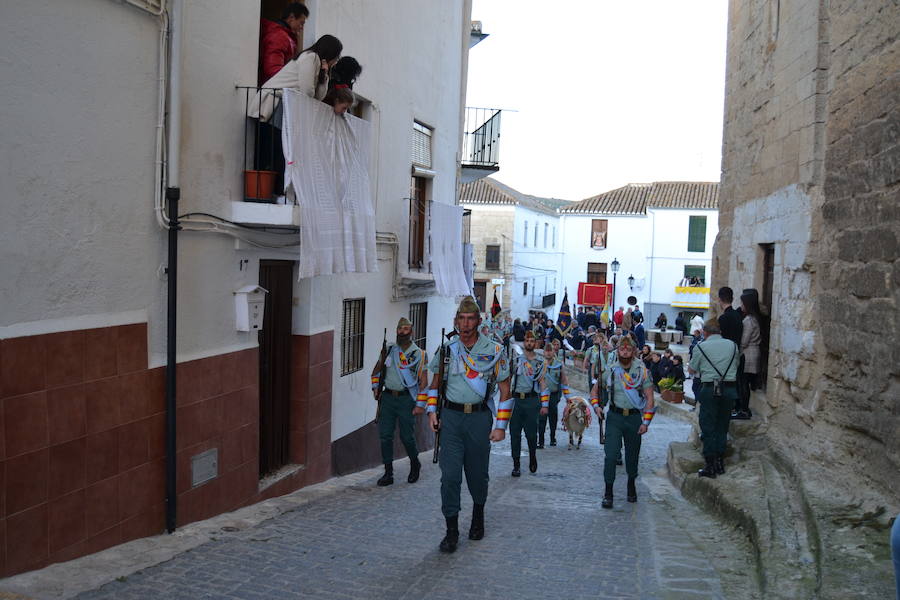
{"points": [[353, 335], [418, 314]]}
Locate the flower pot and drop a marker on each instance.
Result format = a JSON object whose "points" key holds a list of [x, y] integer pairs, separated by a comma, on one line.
{"points": [[673, 396], [259, 185], [665, 395]]}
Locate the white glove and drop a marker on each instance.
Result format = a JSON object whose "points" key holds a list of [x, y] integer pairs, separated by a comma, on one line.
{"points": [[593, 382]]}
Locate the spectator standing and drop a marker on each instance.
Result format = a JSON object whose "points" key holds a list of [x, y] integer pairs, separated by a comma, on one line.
{"points": [[730, 321], [697, 324], [518, 331], [580, 317], [278, 40], [618, 316], [637, 315], [639, 334], [628, 321], [590, 318], [680, 325], [662, 321], [697, 335], [749, 367], [344, 73]]}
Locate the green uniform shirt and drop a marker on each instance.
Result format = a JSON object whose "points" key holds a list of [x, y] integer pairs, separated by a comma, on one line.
{"points": [[392, 378], [720, 351], [637, 371], [552, 376], [594, 357], [524, 384], [457, 389]]}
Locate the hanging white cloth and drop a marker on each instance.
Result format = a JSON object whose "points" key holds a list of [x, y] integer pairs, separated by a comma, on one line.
{"points": [[447, 254], [327, 166]]}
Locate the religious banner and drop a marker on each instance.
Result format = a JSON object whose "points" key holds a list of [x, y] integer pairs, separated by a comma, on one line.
{"points": [[594, 294]]}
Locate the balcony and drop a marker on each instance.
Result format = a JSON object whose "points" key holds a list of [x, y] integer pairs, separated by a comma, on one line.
{"points": [[481, 143], [691, 295]]}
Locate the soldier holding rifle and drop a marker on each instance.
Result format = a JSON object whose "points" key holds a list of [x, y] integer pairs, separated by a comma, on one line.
{"points": [[398, 382], [472, 367]]}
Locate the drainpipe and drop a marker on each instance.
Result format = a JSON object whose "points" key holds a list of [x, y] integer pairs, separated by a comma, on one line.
{"points": [[173, 194]]}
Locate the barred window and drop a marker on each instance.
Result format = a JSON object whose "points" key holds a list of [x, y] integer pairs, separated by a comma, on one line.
{"points": [[353, 335], [418, 315], [492, 257]]}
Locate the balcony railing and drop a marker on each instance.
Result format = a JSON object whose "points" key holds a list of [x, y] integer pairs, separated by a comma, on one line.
{"points": [[263, 154], [481, 138]]}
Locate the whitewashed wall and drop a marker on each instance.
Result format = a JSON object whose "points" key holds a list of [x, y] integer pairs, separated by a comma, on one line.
{"points": [[539, 265], [669, 250]]}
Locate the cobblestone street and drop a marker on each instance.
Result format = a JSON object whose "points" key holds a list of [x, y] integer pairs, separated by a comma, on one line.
{"points": [[546, 535]]}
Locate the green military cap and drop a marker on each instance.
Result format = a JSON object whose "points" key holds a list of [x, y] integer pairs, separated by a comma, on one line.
{"points": [[468, 305], [403, 322]]}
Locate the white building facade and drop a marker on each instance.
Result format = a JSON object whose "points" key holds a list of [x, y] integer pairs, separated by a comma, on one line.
{"points": [[661, 236], [150, 101]]}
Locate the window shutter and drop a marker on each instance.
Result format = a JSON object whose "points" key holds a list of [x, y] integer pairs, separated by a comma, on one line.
{"points": [[421, 145], [697, 234]]}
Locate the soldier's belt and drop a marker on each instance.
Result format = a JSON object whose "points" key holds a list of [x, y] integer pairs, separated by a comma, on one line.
{"points": [[396, 392], [624, 411], [465, 408], [524, 395]]}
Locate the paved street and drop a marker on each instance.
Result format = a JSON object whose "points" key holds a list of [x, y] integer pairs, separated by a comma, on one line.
{"points": [[546, 535]]}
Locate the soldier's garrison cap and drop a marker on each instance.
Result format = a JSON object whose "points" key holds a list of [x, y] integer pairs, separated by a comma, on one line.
{"points": [[403, 322], [468, 305]]}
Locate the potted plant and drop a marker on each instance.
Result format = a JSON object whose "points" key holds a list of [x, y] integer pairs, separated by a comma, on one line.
{"points": [[671, 390]]}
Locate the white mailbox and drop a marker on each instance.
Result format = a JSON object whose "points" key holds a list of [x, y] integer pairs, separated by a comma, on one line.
{"points": [[249, 307]]}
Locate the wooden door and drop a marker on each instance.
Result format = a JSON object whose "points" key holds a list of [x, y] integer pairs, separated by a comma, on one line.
{"points": [[276, 276]]}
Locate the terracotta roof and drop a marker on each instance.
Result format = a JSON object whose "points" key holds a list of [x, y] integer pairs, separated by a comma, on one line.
{"points": [[490, 191], [635, 198]]}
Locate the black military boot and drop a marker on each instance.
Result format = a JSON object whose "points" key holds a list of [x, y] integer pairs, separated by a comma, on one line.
{"points": [[476, 529], [532, 460], [516, 472], [414, 467], [540, 444], [632, 492], [720, 464], [388, 477], [451, 538], [710, 469], [608, 497]]}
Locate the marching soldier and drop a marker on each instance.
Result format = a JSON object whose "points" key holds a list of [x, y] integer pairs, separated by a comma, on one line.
{"points": [[402, 400], [716, 362], [531, 397], [631, 408], [475, 367], [557, 384]]}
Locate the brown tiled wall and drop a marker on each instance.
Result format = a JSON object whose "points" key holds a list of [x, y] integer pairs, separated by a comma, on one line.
{"points": [[82, 438]]}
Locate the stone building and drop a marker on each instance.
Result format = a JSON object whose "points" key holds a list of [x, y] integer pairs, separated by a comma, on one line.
{"points": [[810, 217]]}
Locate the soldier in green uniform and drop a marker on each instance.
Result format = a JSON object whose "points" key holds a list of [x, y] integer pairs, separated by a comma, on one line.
{"points": [[403, 399], [631, 408], [532, 400], [595, 359], [716, 361], [558, 385], [475, 367]]}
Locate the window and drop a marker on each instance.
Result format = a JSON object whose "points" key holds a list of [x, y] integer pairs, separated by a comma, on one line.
{"points": [[418, 222], [546, 230], [525, 239], [697, 234], [480, 293], [535, 234], [492, 257], [467, 226], [525, 289], [418, 314], [695, 275], [421, 145], [596, 273], [599, 229], [554, 236], [353, 335]]}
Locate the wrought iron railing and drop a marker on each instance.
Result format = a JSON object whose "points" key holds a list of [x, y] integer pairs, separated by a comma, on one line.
{"points": [[481, 137], [263, 154]]}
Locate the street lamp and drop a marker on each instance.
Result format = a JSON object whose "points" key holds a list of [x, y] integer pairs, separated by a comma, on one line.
{"points": [[615, 269], [631, 282]]}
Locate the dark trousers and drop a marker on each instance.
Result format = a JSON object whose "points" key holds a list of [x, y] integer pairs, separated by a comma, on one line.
{"points": [[524, 416], [465, 448], [746, 383], [269, 152], [715, 416], [396, 409], [738, 400], [552, 415], [619, 429]]}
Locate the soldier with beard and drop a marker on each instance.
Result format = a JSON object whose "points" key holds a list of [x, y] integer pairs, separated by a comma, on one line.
{"points": [[403, 399]]}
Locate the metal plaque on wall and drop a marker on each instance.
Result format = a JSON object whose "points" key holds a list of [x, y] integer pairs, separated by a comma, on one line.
{"points": [[204, 466]]}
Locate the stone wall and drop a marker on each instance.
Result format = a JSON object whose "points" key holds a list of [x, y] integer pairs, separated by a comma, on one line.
{"points": [[494, 225], [811, 165]]}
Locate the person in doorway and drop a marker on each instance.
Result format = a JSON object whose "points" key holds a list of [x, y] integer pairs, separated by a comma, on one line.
{"points": [[475, 366], [750, 355], [716, 362], [558, 386], [279, 40], [402, 399], [532, 401], [631, 409]]}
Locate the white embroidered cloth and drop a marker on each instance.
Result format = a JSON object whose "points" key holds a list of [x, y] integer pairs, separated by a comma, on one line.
{"points": [[447, 254], [327, 165]]}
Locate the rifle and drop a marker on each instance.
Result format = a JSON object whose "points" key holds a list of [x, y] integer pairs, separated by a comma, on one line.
{"points": [[382, 374], [443, 362]]}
